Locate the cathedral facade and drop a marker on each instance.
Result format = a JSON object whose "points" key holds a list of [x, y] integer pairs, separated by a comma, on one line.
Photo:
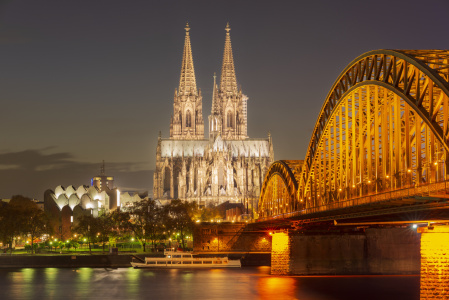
{"points": [[226, 166]]}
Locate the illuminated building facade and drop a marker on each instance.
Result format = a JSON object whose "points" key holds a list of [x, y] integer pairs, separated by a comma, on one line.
{"points": [[103, 182], [227, 166], [66, 205]]}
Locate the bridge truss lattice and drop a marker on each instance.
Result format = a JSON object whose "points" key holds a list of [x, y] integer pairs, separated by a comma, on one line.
{"points": [[383, 127]]}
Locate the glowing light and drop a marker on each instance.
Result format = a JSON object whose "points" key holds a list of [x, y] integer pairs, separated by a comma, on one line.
{"points": [[415, 226], [279, 251], [198, 221], [434, 267], [132, 239], [409, 170], [71, 219], [118, 198]]}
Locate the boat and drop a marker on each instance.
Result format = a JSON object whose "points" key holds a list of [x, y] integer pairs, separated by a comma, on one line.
{"points": [[181, 259]]}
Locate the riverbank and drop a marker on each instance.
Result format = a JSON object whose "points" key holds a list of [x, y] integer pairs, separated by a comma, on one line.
{"points": [[103, 260]]}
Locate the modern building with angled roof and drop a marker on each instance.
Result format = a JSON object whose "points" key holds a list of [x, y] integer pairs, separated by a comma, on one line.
{"points": [[226, 166], [64, 205]]}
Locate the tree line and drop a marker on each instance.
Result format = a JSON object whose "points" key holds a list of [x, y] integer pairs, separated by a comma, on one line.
{"points": [[146, 221]]}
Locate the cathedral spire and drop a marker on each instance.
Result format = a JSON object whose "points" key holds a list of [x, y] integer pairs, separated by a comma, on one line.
{"points": [[215, 104], [187, 119], [187, 82], [228, 80]]}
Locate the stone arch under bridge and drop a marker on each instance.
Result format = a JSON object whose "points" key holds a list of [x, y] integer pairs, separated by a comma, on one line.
{"points": [[383, 127]]}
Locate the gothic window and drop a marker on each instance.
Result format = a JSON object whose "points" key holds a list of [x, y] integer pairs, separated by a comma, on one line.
{"points": [[221, 175], [180, 118], [167, 179], [188, 119], [229, 119]]}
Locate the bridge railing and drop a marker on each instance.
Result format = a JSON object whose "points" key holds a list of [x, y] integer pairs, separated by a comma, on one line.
{"points": [[437, 189]]}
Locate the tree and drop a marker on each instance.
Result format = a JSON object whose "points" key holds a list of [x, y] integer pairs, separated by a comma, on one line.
{"points": [[21, 216], [35, 223], [104, 227], [144, 221], [87, 226], [178, 218], [9, 224]]}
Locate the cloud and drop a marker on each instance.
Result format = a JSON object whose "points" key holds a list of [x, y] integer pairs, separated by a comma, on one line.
{"points": [[35, 159], [31, 172]]}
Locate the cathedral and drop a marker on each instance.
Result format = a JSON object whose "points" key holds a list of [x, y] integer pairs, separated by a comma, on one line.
{"points": [[226, 166]]}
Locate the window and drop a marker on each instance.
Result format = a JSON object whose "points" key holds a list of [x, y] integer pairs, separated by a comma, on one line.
{"points": [[229, 119], [188, 119]]}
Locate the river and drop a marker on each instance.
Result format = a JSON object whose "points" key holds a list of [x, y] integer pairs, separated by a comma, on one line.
{"points": [[235, 284]]}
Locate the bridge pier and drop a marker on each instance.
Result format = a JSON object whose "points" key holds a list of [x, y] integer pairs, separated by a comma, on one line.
{"points": [[377, 251], [434, 262]]}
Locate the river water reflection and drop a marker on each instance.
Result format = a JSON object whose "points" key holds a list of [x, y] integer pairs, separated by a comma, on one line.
{"points": [[245, 283]]}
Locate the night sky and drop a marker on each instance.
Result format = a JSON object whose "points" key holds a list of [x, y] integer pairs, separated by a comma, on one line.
{"points": [[88, 80]]}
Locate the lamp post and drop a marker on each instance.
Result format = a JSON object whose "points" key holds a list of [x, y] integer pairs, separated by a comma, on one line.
{"points": [[409, 175]]}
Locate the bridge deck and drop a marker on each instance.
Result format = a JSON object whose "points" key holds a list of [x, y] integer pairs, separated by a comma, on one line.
{"points": [[433, 196]]}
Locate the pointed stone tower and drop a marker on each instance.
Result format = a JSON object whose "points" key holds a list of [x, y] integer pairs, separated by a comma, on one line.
{"points": [[215, 118], [187, 119], [228, 117], [226, 167]]}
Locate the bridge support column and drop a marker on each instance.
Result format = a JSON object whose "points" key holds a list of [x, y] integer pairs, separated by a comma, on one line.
{"points": [[434, 262], [281, 253]]}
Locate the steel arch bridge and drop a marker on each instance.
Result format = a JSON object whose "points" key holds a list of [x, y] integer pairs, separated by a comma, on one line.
{"points": [[382, 133], [280, 193]]}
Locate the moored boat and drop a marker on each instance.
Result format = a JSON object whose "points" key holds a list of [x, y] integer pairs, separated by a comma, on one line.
{"points": [[179, 259]]}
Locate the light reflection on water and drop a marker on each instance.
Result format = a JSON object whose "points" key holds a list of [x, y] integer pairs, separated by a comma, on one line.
{"points": [[270, 287], [245, 283]]}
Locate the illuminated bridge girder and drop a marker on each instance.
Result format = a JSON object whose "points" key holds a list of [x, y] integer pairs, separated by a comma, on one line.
{"points": [[279, 190], [383, 127]]}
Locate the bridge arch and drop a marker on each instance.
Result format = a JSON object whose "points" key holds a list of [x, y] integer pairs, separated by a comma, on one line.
{"points": [[280, 188], [383, 127]]}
